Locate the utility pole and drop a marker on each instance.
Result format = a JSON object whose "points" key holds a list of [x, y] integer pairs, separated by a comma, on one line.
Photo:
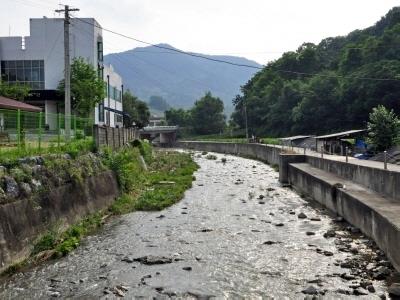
{"points": [[67, 71]]}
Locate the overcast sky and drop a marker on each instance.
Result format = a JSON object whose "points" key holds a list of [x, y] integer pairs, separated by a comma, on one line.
{"points": [[257, 29]]}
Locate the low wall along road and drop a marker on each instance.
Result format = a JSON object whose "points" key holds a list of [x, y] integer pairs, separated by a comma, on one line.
{"points": [[365, 194]]}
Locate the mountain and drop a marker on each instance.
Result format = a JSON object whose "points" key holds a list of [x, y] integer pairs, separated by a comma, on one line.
{"points": [[325, 87], [180, 79]]}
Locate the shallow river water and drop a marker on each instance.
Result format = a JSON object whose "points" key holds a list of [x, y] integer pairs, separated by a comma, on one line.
{"points": [[236, 234]]}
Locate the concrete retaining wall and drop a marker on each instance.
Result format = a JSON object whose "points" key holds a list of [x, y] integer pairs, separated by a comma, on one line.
{"points": [[266, 153], [22, 221], [372, 222], [384, 182]]}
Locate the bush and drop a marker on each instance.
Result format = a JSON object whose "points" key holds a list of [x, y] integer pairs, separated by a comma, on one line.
{"points": [[383, 128], [125, 164]]}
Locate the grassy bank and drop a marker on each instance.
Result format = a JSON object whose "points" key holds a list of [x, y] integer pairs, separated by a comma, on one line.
{"points": [[152, 183], [10, 156]]}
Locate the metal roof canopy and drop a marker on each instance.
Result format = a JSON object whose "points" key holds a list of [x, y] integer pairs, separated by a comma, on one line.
{"points": [[340, 134], [296, 137], [7, 103]]}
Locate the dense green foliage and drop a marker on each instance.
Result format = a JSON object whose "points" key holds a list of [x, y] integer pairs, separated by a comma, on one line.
{"points": [[325, 87], [136, 111], [87, 89], [383, 128], [179, 117], [206, 116], [14, 91]]}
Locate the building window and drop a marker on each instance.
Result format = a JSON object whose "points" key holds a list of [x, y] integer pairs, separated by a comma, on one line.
{"points": [[101, 112], [117, 118], [100, 51], [28, 72], [100, 72]]}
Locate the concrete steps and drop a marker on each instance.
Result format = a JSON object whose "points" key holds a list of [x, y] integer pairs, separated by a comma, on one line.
{"points": [[377, 216]]}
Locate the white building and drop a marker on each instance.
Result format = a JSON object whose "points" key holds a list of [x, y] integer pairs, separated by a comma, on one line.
{"points": [[110, 112], [38, 61]]}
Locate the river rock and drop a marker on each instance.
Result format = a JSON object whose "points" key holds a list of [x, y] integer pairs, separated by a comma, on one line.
{"points": [[310, 290], [371, 288], [128, 259], [394, 289], [270, 243], [11, 185], [36, 184], [360, 292], [381, 273], [315, 219], [25, 189], [330, 233], [153, 260], [302, 215], [347, 276]]}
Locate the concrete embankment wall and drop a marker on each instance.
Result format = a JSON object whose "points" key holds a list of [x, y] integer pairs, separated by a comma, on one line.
{"points": [[383, 182], [266, 153], [22, 221], [370, 204], [363, 210]]}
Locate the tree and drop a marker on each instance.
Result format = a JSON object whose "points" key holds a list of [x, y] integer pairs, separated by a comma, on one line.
{"points": [[135, 111], [383, 128], [14, 90], [207, 115], [326, 87], [178, 117], [87, 89], [158, 103]]}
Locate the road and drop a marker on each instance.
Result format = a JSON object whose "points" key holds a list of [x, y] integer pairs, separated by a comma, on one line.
{"points": [[236, 233]]}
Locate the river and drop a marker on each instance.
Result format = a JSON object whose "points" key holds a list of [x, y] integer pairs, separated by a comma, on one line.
{"points": [[236, 234]]}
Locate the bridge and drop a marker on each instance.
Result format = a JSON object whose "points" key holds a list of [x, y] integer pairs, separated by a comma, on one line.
{"points": [[164, 135]]}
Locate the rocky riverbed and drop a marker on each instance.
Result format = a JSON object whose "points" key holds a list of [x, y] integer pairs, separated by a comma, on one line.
{"points": [[237, 233]]}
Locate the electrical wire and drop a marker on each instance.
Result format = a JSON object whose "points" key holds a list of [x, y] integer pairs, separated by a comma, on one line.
{"points": [[235, 64]]}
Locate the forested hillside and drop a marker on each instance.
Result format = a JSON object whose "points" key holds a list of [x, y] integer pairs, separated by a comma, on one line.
{"points": [[326, 87]]}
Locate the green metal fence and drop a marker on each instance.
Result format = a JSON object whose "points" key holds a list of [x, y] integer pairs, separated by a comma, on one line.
{"points": [[36, 129]]}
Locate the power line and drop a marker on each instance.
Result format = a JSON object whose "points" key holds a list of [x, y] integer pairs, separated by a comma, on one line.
{"points": [[172, 49], [127, 63], [235, 64]]}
